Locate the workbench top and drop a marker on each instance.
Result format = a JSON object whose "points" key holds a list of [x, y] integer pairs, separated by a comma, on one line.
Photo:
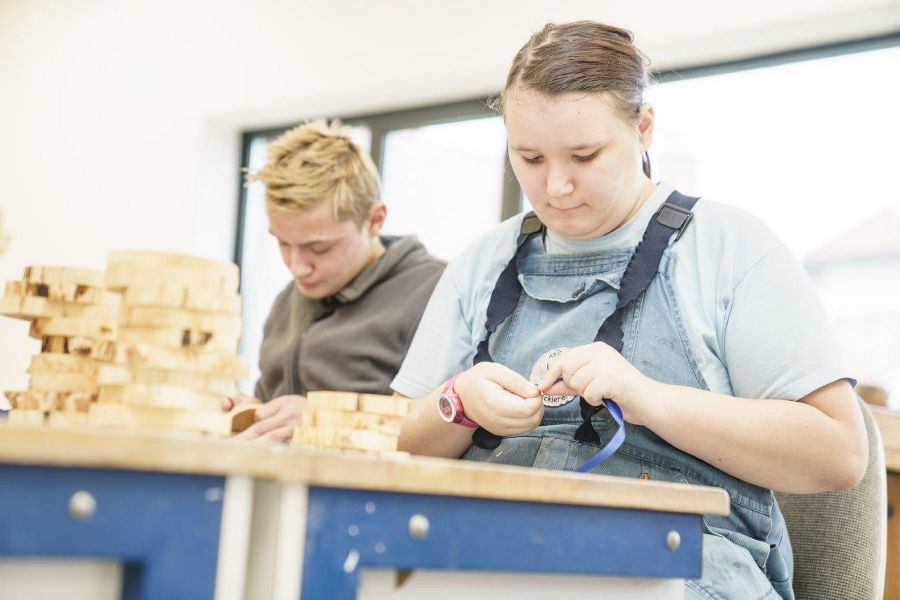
{"points": [[889, 426], [176, 452]]}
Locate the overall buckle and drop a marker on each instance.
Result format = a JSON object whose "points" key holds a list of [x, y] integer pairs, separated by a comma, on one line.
{"points": [[674, 217]]}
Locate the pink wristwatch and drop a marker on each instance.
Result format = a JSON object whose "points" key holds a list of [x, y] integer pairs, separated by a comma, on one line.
{"points": [[450, 406]]}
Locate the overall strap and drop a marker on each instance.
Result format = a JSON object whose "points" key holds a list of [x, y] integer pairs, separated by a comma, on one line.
{"points": [[503, 301], [670, 220]]}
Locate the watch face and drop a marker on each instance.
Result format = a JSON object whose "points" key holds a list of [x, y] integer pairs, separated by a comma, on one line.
{"points": [[446, 408]]}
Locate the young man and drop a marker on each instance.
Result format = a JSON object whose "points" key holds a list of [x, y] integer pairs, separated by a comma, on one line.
{"points": [[346, 321]]}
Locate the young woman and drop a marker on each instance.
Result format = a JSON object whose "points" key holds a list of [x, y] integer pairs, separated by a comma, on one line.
{"points": [[688, 318]]}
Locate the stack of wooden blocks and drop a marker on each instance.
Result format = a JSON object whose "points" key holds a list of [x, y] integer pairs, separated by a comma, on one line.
{"points": [[179, 327], [76, 319], [349, 421], [150, 343]]}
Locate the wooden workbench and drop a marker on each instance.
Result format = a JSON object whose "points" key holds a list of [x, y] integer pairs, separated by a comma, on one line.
{"points": [[889, 426], [177, 511]]}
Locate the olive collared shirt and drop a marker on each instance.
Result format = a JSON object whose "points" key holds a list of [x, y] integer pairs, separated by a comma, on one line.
{"points": [[355, 340]]}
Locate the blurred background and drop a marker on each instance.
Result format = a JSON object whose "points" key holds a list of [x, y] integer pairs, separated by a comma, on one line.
{"points": [[126, 125]]}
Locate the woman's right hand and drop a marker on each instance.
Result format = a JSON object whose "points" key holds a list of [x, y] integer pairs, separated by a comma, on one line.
{"points": [[499, 399]]}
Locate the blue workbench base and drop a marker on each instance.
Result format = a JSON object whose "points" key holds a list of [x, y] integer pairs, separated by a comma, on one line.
{"points": [[163, 527], [348, 530]]}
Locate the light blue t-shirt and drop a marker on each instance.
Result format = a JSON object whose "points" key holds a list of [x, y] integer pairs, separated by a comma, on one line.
{"points": [[754, 321]]}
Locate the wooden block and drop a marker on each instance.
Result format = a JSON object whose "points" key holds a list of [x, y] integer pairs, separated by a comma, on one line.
{"points": [[49, 401], [124, 375], [327, 418], [178, 338], [873, 394], [350, 439], [188, 298], [308, 416], [69, 293], [297, 438], [55, 344], [369, 441], [210, 361], [33, 307], [23, 307], [76, 294], [15, 287], [135, 267], [62, 382], [28, 418], [242, 417], [23, 400], [334, 400], [159, 395], [175, 318], [889, 425], [892, 570], [151, 417], [78, 402], [99, 350], [385, 405], [64, 275], [67, 418], [72, 327], [62, 363]]}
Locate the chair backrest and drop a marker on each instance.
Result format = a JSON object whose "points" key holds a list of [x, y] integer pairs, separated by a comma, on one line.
{"points": [[840, 538]]}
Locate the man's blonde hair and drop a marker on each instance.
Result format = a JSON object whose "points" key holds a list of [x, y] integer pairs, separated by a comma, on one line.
{"points": [[317, 162]]}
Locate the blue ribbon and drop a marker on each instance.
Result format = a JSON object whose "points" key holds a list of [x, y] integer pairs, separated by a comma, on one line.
{"points": [[610, 446]]}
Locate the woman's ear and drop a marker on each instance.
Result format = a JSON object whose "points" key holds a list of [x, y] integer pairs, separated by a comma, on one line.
{"points": [[375, 221], [645, 126]]}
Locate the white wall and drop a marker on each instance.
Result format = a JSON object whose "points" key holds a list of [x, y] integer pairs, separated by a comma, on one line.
{"points": [[120, 120]]}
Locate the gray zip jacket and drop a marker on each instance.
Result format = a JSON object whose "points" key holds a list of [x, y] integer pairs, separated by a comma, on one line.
{"points": [[355, 340]]}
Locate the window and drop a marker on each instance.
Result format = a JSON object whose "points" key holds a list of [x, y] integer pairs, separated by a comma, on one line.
{"points": [[809, 147], [805, 142], [444, 182]]}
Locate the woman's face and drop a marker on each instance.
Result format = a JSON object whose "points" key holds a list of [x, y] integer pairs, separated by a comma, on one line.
{"points": [[577, 160]]}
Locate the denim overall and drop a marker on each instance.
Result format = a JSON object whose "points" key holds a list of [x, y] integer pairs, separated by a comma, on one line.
{"points": [[565, 298]]}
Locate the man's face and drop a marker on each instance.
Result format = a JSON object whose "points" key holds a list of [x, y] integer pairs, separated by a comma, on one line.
{"points": [[324, 254]]}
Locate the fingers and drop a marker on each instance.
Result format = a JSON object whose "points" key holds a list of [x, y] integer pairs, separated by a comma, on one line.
{"points": [[559, 388], [280, 434], [251, 433], [281, 414], [515, 407], [564, 367], [269, 409], [505, 423], [261, 428], [512, 381], [276, 405], [501, 400]]}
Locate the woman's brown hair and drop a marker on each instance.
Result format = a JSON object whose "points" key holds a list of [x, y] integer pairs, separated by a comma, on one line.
{"points": [[586, 57]]}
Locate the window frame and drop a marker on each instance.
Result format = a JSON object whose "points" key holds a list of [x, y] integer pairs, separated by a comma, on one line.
{"points": [[381, 123]]}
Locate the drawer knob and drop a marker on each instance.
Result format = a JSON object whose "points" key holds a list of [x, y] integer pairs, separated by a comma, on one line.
{"points": [[673, 540], [82, 506], [418, 527]]}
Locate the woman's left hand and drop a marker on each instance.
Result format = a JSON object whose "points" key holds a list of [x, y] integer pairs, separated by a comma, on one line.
{"points": [[594, 372]]}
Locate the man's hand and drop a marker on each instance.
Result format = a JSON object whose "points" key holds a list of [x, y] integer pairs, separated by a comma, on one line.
{"points": [[276, 419]]}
